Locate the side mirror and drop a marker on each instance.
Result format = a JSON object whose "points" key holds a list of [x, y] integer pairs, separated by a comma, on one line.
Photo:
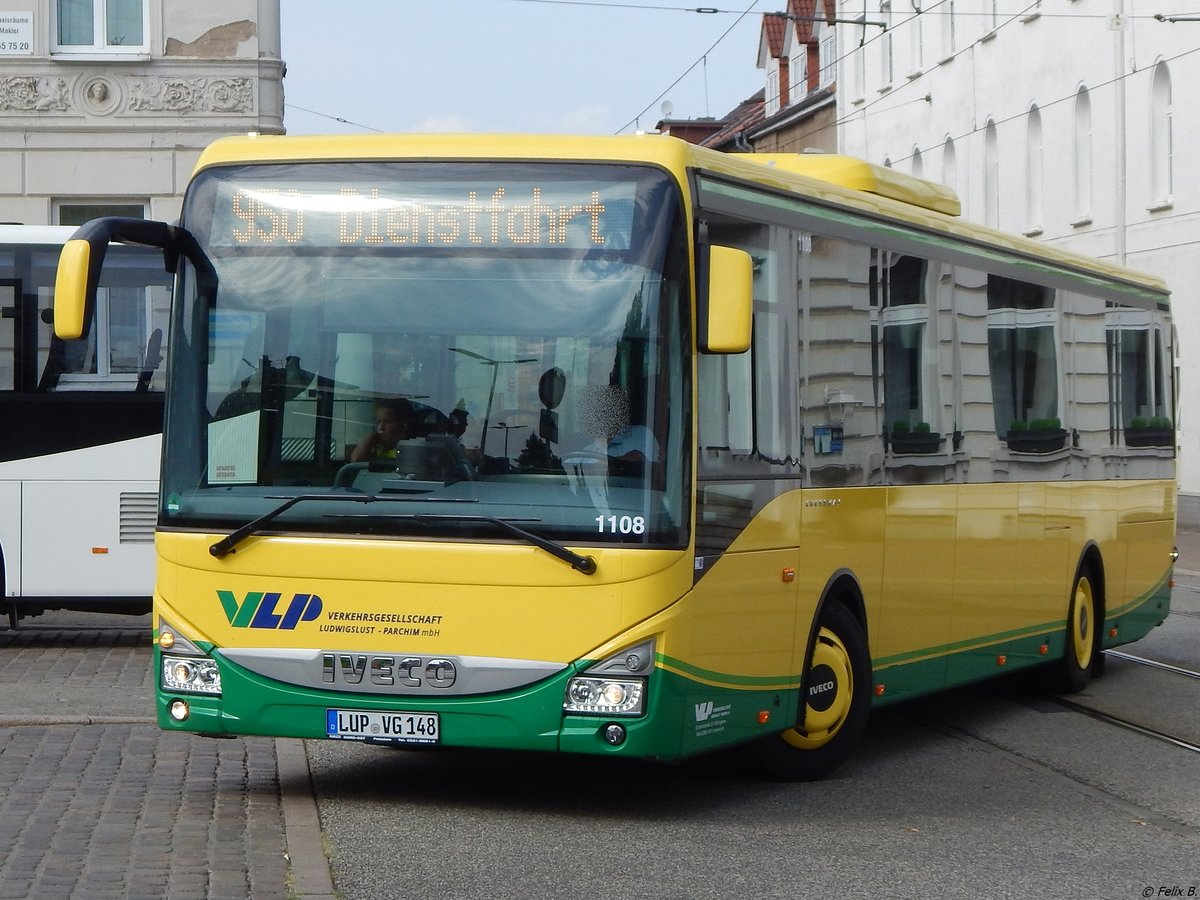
{"points": [[72, 308], [82, 258], [726, 304]]}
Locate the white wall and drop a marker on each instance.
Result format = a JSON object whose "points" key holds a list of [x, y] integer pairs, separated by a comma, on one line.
{"points": [[1008, 56]]}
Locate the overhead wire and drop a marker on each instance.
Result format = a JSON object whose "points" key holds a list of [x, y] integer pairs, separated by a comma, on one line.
{"points": [[332, 118], [937, 9], [702, 60]]}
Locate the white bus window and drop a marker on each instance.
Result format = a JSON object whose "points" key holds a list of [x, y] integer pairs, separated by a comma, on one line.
{"points": [[125, 347]]}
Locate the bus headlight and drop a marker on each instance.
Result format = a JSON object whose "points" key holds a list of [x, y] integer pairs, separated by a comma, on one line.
{"points": [[615, 686], [587, 695], [190, 674]]}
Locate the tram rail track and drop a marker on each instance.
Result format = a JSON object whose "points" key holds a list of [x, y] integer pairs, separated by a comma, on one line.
{"points": [[1152, 663], [1126, 724]]}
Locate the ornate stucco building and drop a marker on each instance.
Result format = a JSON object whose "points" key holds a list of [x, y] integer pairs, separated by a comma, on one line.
{"points": [[106, 104]]}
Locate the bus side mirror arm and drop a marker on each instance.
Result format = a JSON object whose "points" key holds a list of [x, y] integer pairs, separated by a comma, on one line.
{"points": [[725, 312], [82, 259]]}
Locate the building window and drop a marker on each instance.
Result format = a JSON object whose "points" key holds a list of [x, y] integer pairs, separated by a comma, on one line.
{"points": [[828, 58], [949, 165], [1161, 138], [1083, 157], [949, 44], [885, 46], [1033, 172], [916, 47], [78, 213], [858, 73], [798, 86], [991, 176], [774, 95], [100, 26]]}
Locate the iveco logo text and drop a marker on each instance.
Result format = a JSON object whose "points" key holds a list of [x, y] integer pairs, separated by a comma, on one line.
{"points": [[821, 688], [264, 610], [407, 671]]}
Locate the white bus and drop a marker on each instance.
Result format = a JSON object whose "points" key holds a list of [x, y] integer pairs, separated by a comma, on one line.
{"points": [[80, 431]]}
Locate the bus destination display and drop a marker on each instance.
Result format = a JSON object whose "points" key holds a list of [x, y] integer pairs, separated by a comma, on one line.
{"points": [[572, 216]]}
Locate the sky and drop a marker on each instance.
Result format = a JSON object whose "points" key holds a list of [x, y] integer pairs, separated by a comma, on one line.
{"points": [[539, 66]]}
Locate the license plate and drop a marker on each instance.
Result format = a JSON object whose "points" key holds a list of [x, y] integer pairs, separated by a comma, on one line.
{"points": [[382, 727]]}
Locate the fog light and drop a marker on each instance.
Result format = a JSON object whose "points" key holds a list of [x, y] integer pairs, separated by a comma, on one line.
{"points": [[196, 675], [179, 710], [614, 734]]}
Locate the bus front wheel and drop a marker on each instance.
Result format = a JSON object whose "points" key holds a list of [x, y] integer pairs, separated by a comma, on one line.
{"points": [[837, 697]]}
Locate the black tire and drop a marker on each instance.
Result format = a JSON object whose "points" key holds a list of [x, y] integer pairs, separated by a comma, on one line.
{"points": [[837, 697], [1074, 669]]}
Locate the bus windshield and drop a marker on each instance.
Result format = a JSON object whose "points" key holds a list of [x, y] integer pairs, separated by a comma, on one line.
{"points": [[466, 343]]}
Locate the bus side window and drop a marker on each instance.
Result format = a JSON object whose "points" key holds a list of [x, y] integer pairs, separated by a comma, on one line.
{"points": [[8, 309], [124, 348]]}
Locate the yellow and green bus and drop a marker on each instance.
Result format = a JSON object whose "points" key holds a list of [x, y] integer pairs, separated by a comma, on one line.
{"points": [[623, 446]]}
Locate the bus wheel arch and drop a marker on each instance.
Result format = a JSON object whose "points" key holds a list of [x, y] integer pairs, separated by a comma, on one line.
{"points": [[835, 691], [9, 604], [1085, 622]]}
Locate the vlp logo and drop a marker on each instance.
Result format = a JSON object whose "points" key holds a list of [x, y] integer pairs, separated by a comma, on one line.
{"points": [[262, 610]]}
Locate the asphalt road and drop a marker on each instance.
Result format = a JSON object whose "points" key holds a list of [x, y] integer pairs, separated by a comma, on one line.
{"points": [[988, 792], [996, 791]]}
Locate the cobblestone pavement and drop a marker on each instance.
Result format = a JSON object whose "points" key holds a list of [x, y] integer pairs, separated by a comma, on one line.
{"points": [[98, 802]]}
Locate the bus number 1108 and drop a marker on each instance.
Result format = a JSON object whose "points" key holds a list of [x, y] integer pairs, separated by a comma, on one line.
{"points": [[621, 524]]}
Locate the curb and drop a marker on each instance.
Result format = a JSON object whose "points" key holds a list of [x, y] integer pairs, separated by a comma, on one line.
{"points": [[311, 875]]}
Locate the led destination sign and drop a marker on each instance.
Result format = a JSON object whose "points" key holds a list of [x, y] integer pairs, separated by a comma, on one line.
{"points": [[573, 215]]}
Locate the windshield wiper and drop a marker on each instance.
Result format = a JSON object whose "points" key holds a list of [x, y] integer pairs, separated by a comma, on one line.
{"points": [[227, 544], [584, 564]]}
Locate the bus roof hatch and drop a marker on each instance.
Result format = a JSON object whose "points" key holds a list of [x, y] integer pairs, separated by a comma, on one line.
{"points": [[859, 175]]}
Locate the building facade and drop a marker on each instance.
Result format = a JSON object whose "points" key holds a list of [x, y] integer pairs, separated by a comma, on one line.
{"points": [[1062, 120], [105, 105]]}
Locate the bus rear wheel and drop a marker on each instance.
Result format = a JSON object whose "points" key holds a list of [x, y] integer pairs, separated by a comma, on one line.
{"points": [[1079, 654], [837, 697]]}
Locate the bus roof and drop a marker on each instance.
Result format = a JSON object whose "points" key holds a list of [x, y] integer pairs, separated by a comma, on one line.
{"points": [[826, 178], [35, 234]]}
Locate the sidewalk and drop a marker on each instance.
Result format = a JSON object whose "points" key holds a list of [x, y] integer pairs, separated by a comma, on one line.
{"points": [[99, 802]]}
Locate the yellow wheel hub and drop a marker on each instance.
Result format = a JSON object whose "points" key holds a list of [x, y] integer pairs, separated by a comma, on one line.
{"points": [[1083, 623], [830, 694]]}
